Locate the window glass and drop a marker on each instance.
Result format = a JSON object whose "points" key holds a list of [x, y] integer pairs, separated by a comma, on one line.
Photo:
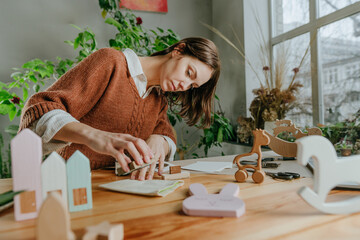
{"points": [[340, 59], [291, 52], [289, 14], [329, 6]]}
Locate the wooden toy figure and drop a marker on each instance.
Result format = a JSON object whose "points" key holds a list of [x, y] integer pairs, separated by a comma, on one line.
{"points": [[224, 204], [104, 231], [26, 156], [79, 182], [260, 139], [53, 221], [53, 176], [285, 148], [329, 171]]}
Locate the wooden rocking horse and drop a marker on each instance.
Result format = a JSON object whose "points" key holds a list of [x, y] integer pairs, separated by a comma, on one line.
{"points": [[329, 172], [260, 139]]}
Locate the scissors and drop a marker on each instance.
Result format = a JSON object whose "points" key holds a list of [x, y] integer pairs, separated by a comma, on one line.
{"points": [[263, 164], [283, 175]]}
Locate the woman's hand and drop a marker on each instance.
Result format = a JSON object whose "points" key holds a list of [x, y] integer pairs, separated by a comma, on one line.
{"points": [[160, 148], [113, 144]]}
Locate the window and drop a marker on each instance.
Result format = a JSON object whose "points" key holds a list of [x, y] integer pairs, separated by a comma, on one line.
{"points": [[331, 78]]}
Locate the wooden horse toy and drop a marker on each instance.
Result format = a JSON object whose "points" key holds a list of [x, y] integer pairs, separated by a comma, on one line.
{"points": [[329, 172], [285, 148], [260, 139]]}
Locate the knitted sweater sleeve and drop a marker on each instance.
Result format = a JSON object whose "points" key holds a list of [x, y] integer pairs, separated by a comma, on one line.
{"points": [[163, 126], [78, 90]]}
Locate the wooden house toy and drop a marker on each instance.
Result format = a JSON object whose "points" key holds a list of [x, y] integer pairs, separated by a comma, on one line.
{"points": [[79, 182], [53, 221], [26, 156], [53, 176]]}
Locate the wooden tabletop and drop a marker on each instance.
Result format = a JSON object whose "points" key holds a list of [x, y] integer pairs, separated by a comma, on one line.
{"points": [[273, 211]]}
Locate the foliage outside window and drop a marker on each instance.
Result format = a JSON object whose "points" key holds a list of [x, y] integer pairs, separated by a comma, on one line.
{"points": [[330, 90]]}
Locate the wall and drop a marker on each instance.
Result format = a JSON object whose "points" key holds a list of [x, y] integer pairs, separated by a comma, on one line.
{"points": [[38, 28]]}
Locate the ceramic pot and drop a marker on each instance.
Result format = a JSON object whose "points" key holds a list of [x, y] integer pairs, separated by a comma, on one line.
{"points": [[345, 152]]}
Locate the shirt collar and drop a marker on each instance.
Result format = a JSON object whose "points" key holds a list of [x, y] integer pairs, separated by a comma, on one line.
{"points": [[137, 73]]}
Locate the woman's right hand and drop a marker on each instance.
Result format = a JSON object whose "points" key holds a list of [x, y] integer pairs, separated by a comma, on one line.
{"points": [[113, 144]]}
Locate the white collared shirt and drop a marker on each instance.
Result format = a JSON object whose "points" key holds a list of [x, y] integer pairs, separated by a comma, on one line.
{"points": [[51, 122]]}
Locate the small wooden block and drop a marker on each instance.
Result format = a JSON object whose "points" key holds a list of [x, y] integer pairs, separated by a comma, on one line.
{"points": [[133, 165], [174, 169], [176, 176]]}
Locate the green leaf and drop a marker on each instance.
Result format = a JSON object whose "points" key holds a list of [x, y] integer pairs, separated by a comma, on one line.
{"points": [[78, 28], [12, 113], [12, 129], [103, 13], [69, 43], [5, 108], [43, 72], [5, 95], [16, 75], [113, 22], [220, 135], [33, 78], [36, 88], [7, 197], [25, 93], [76, 42]]}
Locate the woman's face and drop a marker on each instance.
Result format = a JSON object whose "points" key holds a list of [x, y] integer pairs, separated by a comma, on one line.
{"points": [[182, 72]]}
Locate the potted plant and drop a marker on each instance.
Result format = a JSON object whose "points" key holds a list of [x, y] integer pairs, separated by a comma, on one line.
{"points": [[344, 147]]}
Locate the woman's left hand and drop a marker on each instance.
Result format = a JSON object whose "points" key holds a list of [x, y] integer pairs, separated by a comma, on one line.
{"points": [[160, 149]]}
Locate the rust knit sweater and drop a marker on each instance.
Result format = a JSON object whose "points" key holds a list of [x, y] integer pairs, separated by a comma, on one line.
{"points": [[100, 92]]}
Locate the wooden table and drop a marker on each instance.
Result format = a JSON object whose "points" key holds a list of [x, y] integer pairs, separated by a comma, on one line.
{"points": [[273, 211]]}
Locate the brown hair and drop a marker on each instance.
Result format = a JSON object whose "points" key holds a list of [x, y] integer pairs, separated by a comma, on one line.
{"points": [[196, 102]]}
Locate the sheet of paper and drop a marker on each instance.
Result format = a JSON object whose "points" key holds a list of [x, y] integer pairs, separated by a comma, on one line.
{"points": [[208, 166]]}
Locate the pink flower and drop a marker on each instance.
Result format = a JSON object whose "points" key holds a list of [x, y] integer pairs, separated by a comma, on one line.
{"points": [[139, 21], [296, 70], [15, 100], [266, 68]]}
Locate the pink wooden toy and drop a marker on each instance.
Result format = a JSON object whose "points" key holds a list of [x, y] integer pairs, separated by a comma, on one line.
{"points": [[224, 204], [26, 155]]}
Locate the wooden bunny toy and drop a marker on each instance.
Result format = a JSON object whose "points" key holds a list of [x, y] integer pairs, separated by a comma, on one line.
{"points": [[224, 204]]}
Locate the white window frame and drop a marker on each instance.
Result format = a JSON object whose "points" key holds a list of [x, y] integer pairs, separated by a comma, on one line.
{"points": [[313, 27]]}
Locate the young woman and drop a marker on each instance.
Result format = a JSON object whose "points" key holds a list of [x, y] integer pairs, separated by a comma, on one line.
{"points": [[114, 102]]}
